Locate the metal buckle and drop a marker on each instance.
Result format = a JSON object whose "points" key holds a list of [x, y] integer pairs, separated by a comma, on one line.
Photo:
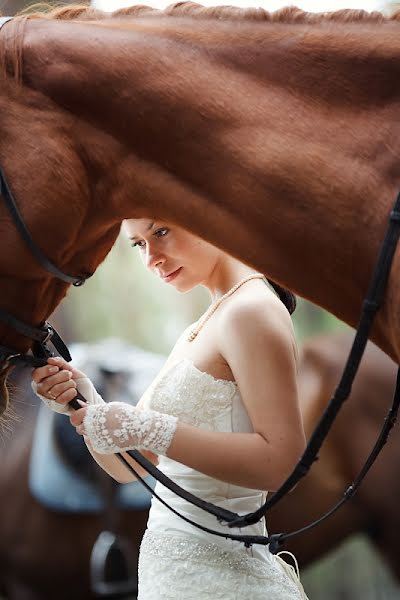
{"points": [[49, 334]]}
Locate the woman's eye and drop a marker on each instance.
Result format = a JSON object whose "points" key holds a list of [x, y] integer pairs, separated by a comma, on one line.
{"points": [[139, 244], [161, 232]]}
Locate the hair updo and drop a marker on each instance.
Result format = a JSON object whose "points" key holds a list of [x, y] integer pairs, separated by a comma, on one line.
{"points": [[286, 296]]}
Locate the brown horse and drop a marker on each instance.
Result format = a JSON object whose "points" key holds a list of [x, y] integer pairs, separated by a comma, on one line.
{"points": [[272, 135], [373, 510], [45, 554]]}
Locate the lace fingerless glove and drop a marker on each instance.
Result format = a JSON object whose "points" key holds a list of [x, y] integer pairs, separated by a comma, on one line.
{"points": [[84, 386], [117, 426]]}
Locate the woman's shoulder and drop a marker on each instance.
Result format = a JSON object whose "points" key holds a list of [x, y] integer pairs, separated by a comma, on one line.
{"points": [[254, 330], [256, 322], [259, 326], [256, 306]]}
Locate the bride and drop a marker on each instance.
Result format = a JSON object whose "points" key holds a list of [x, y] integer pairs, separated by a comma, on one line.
{"points": [[221, 419]]}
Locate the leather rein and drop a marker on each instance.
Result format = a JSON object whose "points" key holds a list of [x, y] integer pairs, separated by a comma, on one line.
{"points": [[45, 334]]}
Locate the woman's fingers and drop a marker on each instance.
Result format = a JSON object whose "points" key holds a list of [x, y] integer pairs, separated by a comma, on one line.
{"points": [[60, 362], [59, 388], [77, 417], [66, 396], [56, 371], [43, 372], [80, 429], [51, 381]]}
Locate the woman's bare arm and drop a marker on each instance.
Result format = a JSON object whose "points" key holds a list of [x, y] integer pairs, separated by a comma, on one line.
{"points": [[257, 341], [112, 465]]}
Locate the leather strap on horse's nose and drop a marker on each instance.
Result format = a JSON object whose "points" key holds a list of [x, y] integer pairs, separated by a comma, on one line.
{"points": [[41, 337]]}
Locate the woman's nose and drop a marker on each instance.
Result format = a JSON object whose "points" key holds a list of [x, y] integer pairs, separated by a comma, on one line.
{"points": [[154, 259]]}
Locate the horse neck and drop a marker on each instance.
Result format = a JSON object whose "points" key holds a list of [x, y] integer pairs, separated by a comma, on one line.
{"points": [[278, 143]]}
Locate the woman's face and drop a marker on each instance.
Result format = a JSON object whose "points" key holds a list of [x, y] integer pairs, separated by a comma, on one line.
{"points": [[175, 255]]}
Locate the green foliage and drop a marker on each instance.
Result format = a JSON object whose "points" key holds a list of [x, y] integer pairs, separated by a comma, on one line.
{"points": [[126, 301]]}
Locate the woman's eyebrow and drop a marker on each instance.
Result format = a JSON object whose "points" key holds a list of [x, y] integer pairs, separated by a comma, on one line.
{"points": [[135, 237]]}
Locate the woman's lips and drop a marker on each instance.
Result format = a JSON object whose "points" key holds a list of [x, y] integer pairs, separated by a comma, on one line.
{"points": [[171, 276]]}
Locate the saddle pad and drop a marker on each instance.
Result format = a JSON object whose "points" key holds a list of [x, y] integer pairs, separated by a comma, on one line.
{"points": [[57, 487]]}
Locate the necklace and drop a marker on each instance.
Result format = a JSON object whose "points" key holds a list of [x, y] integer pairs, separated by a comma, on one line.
{"points": [[213, 307]]}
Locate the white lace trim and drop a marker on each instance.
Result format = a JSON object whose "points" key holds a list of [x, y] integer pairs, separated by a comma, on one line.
{"points": [[177, 567], [117, 426]]}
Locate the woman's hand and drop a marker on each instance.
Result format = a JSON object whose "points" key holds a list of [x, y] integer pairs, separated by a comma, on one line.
{"points": [[109, 428], [76, 419], [57, 383]]}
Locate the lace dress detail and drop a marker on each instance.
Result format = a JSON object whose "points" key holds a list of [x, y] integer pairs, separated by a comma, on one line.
{"points": [[197, 398], [188, 570], [117, 426], [178, 561]]}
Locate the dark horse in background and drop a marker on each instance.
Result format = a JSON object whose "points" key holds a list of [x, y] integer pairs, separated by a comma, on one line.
{"points": [[275, 136], [61, 526], [45, 554]]}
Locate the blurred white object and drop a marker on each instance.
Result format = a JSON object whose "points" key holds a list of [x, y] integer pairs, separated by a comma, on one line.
{"points": [[271, 5], [119, 371]]}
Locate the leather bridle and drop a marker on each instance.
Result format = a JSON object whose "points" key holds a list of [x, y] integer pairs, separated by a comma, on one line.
{"points": [[45, 334]]}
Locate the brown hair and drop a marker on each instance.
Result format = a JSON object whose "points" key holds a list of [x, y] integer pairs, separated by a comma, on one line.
{"points": [[286, 296]]}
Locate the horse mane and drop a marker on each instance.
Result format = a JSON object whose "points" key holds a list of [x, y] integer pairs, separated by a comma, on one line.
{"points": [[184, 9], [287, 15]]}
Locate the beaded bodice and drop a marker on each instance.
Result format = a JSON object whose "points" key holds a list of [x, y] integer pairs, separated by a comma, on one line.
{"points": [[197, 398]]}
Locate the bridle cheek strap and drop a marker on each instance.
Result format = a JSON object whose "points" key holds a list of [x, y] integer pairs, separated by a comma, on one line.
{"points": [[41, 336], [25, 234]]}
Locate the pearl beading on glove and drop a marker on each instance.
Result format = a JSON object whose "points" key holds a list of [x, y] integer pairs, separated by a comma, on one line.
{"points": [[116, 426]]}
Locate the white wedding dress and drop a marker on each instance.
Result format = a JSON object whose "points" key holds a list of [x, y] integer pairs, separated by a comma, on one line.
{"points": [[178, 561]]}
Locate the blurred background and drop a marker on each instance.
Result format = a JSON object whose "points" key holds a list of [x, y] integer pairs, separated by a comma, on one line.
{"points": [[123, 300]]}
